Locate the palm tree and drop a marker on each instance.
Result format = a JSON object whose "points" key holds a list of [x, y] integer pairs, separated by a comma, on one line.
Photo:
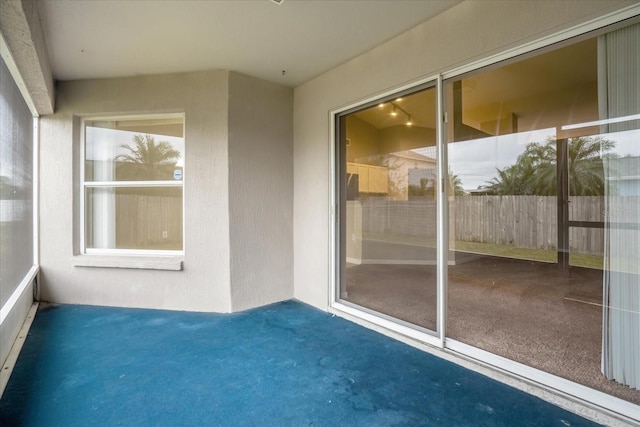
{"points": [[424, 189], [586, 171], [455, 185], [147, 160], [535, 170], [421, 190], [513, 179]]}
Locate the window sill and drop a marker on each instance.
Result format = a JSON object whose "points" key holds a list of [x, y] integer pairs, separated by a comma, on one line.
{"points": [[173, 263]]}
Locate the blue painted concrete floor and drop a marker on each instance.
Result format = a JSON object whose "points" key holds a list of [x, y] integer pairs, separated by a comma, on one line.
{"points": [[285, 364]]}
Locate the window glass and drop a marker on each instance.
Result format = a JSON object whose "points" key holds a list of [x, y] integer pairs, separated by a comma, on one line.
{"points": [[133, 172], [544, 234], [388, 205]]}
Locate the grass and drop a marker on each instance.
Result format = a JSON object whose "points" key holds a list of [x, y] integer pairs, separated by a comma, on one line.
{"points": [[542, 255], [495, 249]]}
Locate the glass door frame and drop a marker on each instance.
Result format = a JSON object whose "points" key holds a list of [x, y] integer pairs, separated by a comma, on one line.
{"points": [[337, 218]]}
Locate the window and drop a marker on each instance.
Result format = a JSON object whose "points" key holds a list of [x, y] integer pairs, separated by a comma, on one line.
{"points": [[133, 184]]}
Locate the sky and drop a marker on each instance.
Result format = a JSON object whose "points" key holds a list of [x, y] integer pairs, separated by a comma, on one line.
{"points": [[106, 144], [476, 162]]}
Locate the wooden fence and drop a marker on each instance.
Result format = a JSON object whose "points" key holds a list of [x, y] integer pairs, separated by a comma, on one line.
{"points": [[522, 221], [148, 222]]}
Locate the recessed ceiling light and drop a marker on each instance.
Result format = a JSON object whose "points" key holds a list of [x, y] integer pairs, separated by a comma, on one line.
{"points": [[277, 1]]}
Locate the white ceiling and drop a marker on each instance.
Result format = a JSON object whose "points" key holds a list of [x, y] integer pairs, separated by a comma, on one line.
{"points": [[107, 38]]}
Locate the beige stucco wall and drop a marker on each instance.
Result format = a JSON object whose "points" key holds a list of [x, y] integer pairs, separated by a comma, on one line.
{"points": [[260, 191], [22, 32], [211, 190], [468, 32]]}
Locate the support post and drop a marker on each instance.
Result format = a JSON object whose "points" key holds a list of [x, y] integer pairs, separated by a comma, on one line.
{"points": [[562, 165]]}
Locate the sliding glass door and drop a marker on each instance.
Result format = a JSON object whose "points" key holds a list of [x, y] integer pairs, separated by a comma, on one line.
{"points": [[538, 259], [387, 182], [545, 247]]}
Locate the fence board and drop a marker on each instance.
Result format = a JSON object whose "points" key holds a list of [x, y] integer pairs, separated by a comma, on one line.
{"points": [[144, 221], [522, 221]]}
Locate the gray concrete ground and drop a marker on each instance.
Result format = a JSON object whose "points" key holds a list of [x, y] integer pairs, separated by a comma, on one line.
{"points": [[526, 311]]}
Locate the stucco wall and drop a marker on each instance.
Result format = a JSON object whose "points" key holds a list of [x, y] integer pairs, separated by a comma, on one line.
{"points": [[260, 191], [203, 285], [22, 32], [465, 33]]}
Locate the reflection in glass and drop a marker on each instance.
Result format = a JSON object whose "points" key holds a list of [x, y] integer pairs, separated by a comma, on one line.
{"points": [[387, 187], [133, 150], [544, 239]]}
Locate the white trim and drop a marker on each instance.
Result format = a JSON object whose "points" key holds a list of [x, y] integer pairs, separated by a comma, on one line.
{"points": [[81, 219], [35, 205], [17, 293], [389, 92], [128, 184], [442, 218], [603, 400], [410, 332], [127, 117], [601, 122], [144, 262], [17, 77], [14, 352], [592, 25], [133, 252], [334, 266], [184, 198]]}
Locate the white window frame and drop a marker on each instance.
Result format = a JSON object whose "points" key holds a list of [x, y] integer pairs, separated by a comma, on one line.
{"points": [[84, 185]]}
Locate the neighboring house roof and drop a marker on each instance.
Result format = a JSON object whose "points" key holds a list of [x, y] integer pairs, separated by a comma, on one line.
{"points": [[412, 155], [623, 168]]}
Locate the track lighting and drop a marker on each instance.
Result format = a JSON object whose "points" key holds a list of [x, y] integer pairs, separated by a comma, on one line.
{"points": [[394, 111]]}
